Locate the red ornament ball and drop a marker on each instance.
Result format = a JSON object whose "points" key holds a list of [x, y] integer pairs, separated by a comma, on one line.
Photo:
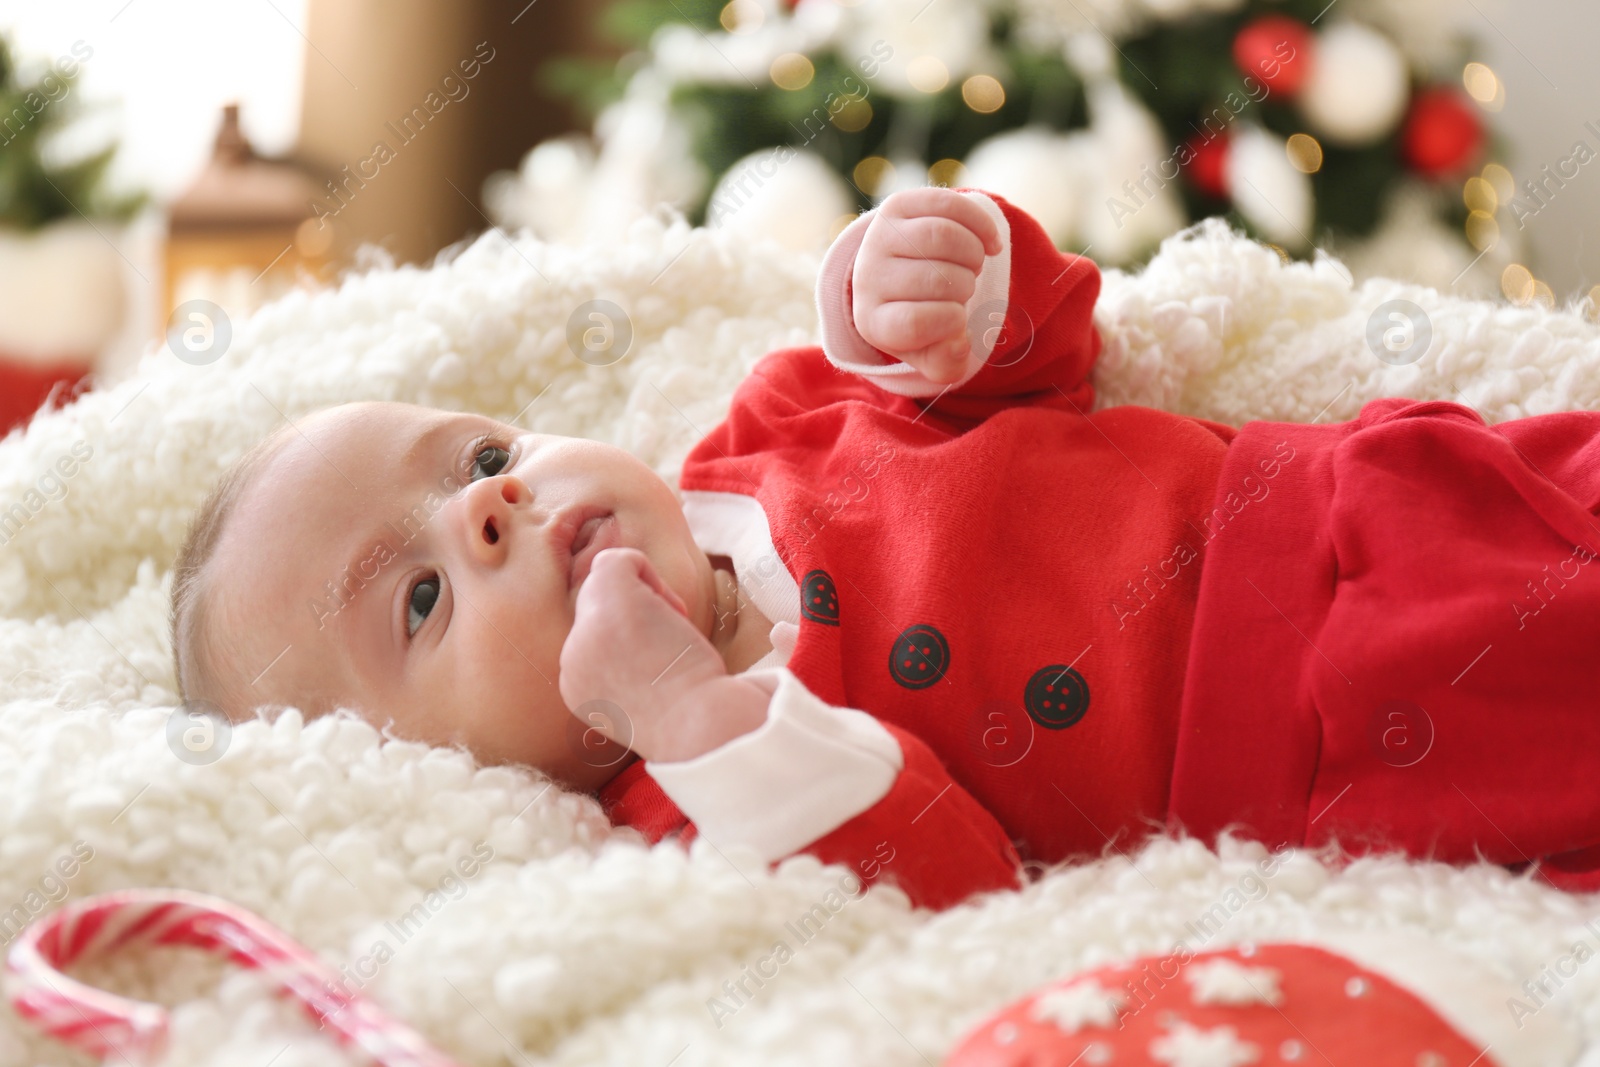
{"points": [[1277, 50], [1442, 134], [1208, 164]]}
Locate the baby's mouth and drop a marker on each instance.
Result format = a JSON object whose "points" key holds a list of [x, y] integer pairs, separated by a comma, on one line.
{"points": [[597, 533]]}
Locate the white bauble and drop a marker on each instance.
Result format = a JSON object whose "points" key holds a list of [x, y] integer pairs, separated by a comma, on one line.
{"points": [[549, 193], [1266, 187], [571, 191], [1358, 84], [817, 23], [788, 195], [1037, 169], [685, 53], [1129, 205], [645, 151], [645, 160], [1090, 54]]}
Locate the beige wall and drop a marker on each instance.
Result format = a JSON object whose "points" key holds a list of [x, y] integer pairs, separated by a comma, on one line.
{"points": [[1544, 52], [369, 63]]}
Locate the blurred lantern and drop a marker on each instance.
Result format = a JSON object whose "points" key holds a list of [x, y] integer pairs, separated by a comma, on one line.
{"points": [[244, 231], [1442, 135]]}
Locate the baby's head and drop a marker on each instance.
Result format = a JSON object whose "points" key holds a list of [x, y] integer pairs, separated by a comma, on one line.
{"points": [[413, 564]]}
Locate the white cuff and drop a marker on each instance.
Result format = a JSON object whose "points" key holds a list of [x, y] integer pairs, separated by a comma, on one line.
{"points": [[809, 769], [848, 350]]}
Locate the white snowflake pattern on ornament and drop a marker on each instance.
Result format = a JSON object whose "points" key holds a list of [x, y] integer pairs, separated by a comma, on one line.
{"points": [[1190, 1046], [1225, 981], [1084, 1004]]}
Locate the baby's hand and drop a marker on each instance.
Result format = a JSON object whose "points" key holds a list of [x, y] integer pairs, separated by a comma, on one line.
{"points": [[917, 267], [632, 644]]}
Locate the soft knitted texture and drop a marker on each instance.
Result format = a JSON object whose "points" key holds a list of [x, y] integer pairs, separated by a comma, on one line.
{"points": [[575, 943]]}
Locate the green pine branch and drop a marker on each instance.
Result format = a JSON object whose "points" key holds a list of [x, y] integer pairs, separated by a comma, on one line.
{"points": [[33, 192]]}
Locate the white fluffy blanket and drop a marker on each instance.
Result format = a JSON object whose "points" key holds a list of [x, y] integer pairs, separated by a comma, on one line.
{"points": [[576, 943]]}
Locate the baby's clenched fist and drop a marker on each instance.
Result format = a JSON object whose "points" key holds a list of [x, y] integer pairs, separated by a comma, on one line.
{"points": [[917, 267], [632, 645]]}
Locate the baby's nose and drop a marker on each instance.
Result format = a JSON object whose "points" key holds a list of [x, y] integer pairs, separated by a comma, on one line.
{"points": [[488, 510]]}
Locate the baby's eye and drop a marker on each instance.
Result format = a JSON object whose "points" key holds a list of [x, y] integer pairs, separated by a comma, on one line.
{"points": [[490, 460], [423, 596]]}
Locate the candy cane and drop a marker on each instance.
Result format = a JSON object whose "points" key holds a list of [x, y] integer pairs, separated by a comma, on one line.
{"points": [[101, 1023]]}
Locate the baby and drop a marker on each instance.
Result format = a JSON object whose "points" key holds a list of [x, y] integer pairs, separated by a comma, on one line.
{"points": [[917, 609]]}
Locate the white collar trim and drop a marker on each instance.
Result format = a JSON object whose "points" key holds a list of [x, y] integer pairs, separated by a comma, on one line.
{"points": [[735, 525]]}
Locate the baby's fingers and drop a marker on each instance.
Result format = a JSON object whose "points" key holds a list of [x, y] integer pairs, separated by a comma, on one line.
{"points": [[940, 203], [943, 363], [622, 603], [923, 279], [623, 567], [900, 326], [927, 237]]}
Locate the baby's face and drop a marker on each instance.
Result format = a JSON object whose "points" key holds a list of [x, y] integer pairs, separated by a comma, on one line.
{"points": [[413, 563]]}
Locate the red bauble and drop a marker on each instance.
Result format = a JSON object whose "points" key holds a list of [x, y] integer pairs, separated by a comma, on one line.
{"points": [[1208, 169], [1442, 134], [1275, 49]]}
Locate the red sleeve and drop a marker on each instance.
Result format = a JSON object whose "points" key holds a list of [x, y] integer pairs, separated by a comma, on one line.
{"points": [[927, 835], [1031, 321]]}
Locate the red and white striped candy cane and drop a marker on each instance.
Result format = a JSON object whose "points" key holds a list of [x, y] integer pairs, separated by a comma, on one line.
{"points": [[101, 1023]]}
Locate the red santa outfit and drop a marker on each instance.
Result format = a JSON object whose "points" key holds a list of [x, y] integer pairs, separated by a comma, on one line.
{"points": [[983, 596], [1417, 617]]}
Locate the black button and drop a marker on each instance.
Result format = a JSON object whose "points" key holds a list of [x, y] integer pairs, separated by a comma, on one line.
{"points": [[920, 657], [818, 600], [1056, 696]]}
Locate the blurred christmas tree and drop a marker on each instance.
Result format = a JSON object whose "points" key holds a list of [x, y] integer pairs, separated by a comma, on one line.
{"points": [[62, 290], [36, 188], [1115, 122]]}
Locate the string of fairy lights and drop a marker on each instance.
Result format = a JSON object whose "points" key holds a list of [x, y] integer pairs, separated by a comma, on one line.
{"points": [[1493, 188]]}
